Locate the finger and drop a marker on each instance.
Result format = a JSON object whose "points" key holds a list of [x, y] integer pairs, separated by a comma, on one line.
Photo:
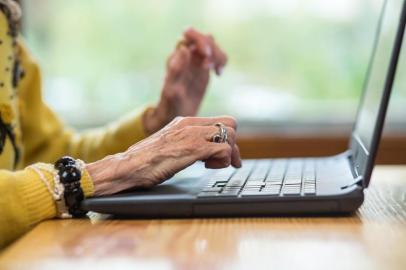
{"points": [[216, 163], [220, 162], [208, 121], [236, 157], [178, 62], [208, 132], [219, 57], [211, 131], [219, 156], [202, 43]]}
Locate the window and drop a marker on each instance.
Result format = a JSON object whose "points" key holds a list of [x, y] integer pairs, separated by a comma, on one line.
{"points": [[292, 63]]}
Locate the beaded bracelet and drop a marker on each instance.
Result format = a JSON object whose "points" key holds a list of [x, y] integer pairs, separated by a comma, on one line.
{"points": [[67, 192], [69, 174]]}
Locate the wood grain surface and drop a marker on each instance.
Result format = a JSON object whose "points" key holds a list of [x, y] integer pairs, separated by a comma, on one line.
{"points": [[373, 238]]}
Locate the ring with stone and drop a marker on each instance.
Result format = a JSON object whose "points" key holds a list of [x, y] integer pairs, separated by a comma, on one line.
{"points": [[222, 135]]}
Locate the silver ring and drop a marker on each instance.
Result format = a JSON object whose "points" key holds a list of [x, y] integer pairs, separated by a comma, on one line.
{"points": [[222, 136]]}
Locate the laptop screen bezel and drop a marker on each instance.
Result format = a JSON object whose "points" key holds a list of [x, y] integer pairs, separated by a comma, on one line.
{"points": [[363, 159]]}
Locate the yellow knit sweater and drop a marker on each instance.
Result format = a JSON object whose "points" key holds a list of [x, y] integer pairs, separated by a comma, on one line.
{"points": [[39, 136]]}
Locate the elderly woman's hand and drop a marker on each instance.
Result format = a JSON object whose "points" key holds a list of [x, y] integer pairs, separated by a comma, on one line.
{"points": [[187, 77], [150, 162]]}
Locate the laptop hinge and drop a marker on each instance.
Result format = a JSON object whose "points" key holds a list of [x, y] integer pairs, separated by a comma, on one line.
{"points": [[357, 181]]}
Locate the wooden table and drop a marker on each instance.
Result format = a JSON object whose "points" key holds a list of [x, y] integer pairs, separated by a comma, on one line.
{"points": [[373, 238]]}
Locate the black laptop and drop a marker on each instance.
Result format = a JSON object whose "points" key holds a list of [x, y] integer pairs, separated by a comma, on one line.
{"points": [[263, 187]]}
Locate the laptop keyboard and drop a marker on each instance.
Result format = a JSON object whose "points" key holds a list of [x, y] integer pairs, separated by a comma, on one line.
{"points": [[277, 177]]}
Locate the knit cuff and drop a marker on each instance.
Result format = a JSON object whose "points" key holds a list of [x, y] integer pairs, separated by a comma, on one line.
{"points": [[38, 200]]}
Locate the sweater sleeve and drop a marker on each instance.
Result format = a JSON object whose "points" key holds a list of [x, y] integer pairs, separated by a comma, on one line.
{"points": [[45, 138], [25, 201]]}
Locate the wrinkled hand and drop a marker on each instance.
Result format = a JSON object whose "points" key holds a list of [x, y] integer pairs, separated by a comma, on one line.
{"points": [[187, 77], [178, 145]]}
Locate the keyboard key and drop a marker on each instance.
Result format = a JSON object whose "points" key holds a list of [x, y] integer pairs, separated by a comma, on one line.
{"points": [[292, 186], [243, 173], [255, 184], [231, 191], [235, 184], [260, 171], [220, 184], [251, 189], [270, 184], [227, 195], [274, 180], [212, 189], [309, 177], [269, 193], [309, 191], [207, 194], [309, 170], [277, 171], [291, 191], [248, 194], [222, 174], [272, 188], [293, 180]]}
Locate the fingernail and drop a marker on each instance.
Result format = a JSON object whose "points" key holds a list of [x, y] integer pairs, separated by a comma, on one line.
{"points": [[208, 51], [220, 70], [207, 64]]}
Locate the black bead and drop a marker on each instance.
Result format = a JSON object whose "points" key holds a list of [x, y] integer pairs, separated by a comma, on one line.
{"points": [[69, 174], [73, 200], [74, 196], [63, 162]]}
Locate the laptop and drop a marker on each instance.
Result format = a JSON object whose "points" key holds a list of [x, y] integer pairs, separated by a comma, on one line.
{"points": [[266, 187]]}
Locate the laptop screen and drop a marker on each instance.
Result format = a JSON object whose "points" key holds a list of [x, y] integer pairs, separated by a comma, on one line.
{"points": [[378, 71]]}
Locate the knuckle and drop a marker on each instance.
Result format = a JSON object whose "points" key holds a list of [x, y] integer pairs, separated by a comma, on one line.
{"points": [[169, 95], [178, 118], [226, 150], [231, 121], [183, 121], [187, 120], [185, 130], [192, 132], [174, 67], [231, 133], [190, 29]]}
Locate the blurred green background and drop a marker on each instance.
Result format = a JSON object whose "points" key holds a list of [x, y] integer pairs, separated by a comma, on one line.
{"points": [[291, 61]]}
